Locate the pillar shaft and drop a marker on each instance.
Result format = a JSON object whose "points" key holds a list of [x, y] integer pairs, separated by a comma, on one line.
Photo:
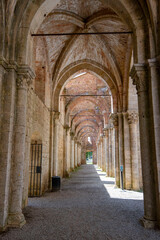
{"points": [[72, 154], [16, 218], [66, 165], [55, 144], [110, 152], [127, 153], [139, 75], [155, 89], [6, 140], [75, 153], [114, 119], [132, 119], [113, 152]]}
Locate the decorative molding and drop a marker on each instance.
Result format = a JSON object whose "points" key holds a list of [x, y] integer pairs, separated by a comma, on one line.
{"points": [[139, 76], [23, 81], [114, 119], [132, 117]]}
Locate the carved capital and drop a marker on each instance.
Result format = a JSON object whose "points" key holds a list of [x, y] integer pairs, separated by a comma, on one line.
{"points": [[139, 75], [132, 117], [105, 132], [23, 81], [25, 76], [114, 119]]}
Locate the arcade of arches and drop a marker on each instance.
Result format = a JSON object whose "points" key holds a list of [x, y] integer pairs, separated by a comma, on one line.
{"points": [[62, 96]]}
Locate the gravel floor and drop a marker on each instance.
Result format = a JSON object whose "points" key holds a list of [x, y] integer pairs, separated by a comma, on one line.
{"points": [[88, 207]]}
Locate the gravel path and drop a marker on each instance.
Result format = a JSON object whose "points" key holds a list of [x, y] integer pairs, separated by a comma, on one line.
{"points": [[88, 207]]}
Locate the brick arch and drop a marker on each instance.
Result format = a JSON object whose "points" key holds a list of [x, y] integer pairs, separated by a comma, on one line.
{"points": [[77, 118], [91, 66], [70, 107], [82, 124], [130, 11], [88, 127]]}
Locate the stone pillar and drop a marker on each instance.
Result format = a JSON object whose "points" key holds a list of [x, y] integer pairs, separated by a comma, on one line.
{"points": [[132, 120], [100, 150], [110, 151], [6, 141], [127, 153], [155, 89], [72, 150], [55, 144], [66, 165], [2, 72], [75, 151], [107, 151], [121, 144], [79, 162], [105, 148], [97, 153], [113, 151], [140, 75], [114, 118], [103, 153], [16, 218], [50, 150]]}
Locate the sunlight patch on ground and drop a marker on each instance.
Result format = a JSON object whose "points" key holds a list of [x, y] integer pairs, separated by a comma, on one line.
{"points": [[113, 191]]}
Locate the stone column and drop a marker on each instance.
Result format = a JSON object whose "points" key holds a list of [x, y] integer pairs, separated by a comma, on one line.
{"points": [[66, 166], [55, 143], [6, 141], [105, 148], [121, 144], [140, 75], [155, 89], [127, 153], [132, 120], [114, 118], [79, 153], [2, 72], [107, 151], [75, 151], [98, 153], [113, 151], [110, 151], [72, 150], [103, 154], [16, 218]]}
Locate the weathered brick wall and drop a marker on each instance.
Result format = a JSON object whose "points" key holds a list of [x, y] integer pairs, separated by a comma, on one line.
{"points": [[38, 126]]}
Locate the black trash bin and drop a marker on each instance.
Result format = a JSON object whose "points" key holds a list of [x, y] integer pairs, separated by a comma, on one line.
{"points": [[56, 183]]}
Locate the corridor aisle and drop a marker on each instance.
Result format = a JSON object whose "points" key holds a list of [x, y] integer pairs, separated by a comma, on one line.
{"points": [[88, 207]]}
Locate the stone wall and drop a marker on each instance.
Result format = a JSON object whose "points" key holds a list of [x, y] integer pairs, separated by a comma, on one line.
{"points": [[38, 126]]}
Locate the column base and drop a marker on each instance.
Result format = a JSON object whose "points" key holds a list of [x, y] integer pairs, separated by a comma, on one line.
{"points": [[16, 220], [66, 174], [148, 224], [3, 229]]}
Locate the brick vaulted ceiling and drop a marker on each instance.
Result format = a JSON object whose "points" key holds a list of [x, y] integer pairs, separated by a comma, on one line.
{"points": [[109, 51]]}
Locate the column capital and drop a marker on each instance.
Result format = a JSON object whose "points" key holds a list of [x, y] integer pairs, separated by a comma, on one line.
{"points": [[114, 119], [139, 76], [25, 76], [132, 117], [105, 132], [23, 81]]}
